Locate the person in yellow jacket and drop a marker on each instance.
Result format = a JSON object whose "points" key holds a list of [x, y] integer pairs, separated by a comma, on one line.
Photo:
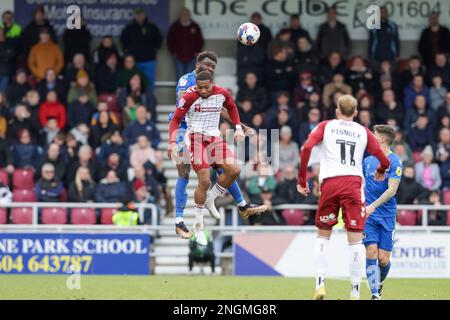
{"points": [[126, 216], [45, 55]]}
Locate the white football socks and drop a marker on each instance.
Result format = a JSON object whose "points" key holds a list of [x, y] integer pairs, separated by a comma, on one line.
{"points": [[321, 260], [357, 254], [216, 191]]}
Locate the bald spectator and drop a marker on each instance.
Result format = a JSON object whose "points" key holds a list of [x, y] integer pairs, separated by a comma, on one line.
{"points": [[434, 39]]}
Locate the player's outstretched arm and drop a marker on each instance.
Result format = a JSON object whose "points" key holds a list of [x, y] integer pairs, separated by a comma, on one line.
{"points": [[385, 197]]}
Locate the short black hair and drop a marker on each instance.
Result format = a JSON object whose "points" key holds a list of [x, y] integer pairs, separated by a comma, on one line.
{"points": [[204, 76], [207, 54]]}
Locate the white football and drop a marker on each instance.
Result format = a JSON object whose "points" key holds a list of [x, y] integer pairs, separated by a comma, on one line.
{"points": [[248, 33]]}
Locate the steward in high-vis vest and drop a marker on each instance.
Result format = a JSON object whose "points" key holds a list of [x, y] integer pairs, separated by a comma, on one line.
{"points": [[127, 215]]}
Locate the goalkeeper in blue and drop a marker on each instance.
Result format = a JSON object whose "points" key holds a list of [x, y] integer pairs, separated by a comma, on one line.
{"points": [[381, 211], [206, 61]]}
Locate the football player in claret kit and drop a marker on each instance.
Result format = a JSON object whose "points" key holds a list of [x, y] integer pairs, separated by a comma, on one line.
{"points": [[206, 61], [202, 106], [342, 146], [381, 212]]}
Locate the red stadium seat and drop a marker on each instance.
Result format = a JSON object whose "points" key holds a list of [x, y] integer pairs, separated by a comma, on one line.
{"points": [[3, 216], [416, 156], [4, 177], [83, 216], [446, 196], [448, 218], [112, 101], [24, 195], [23, 179], [294, 217], [106, 215], [407, 218], [402, 64], [54, 216], [22, 215]]}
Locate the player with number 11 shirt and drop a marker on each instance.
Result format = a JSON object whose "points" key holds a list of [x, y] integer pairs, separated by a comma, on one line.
{"points": [[343, 143]]}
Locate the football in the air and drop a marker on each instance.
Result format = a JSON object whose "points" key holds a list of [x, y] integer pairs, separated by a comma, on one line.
{"points": [[248, 33]]}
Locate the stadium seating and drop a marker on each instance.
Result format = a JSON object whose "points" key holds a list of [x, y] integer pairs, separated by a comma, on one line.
{"points": [[54, 216], [448, 218], [226, 67], [446, 196], [402, 64], [407, 218], [22, 216], [83, 216], [416, 156], [23, 179], [4, 177], [106, 215], [24, 195], [111, 100], [3, 216], [294, 217]]}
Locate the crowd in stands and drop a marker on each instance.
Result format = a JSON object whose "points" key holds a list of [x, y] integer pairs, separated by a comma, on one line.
{"points": [[84, 122]]}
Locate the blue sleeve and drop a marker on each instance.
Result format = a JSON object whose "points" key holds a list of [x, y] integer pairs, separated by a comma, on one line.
{"points": [[182, 84], [364, 166], [396, 169]]}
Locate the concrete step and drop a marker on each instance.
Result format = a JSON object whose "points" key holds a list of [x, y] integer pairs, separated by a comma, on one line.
{"points": [[184, 270], [175, 251], [165, 108], [192, 183], [171, 261]]}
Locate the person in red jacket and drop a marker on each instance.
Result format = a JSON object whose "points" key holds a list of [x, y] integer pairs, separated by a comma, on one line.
{"points": [[51, 108], [185, 40]]}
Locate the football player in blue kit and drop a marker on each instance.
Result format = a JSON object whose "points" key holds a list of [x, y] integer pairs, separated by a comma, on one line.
{"points": [[206, 61], [381, 211]]}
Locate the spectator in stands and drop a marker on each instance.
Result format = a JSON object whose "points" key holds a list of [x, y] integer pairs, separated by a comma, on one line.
{"points": [[330, 88], [250, 59], [48, 188], [384, 42], [329, 67], [114, 163], [101, 129], [83, 85], [436, 217], [7, 57], [413, 69], [283, 117], [283, 40], [386, 71], [105, 48], [70, 149], [111, 189], [129, 110], [389, 108], [307, 127], [49, 132], [288, 149], [305, 57], [80, 110], [246, 111], [83, 188], [417, 87], [265, 33], [4, 115], [32, 31], [442, 148], [141, 152], [444, 168], [330, 112], [12, 29], [52, 83], [21, 121], [296, 30], [143, 126], [253, 91], [437, 92], [26, 154], [81, 133], [434, 39], [301, 114], [73, 67], [409, 190], [428, 173], [403, 151], [359, 76], [136, 88], [85, 159], [142, 39], [444, 109], [279, 73], [54, 157], [420, 108], [264, 180], [45, 55], [128, 70], [286, 190], [151, 184], [304, 89], [106, 75], [333, 36], [440, 67], [114, 144], [32, 101], [52, 109], [365, 119], [18, 88], [77, 40], [185, 41], [6, 156], [420, 134], [5, 194]]}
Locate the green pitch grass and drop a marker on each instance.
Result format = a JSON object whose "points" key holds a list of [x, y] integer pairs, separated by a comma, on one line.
{"points": [[206, 287]]}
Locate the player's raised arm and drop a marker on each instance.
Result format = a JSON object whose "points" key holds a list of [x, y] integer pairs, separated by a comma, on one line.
{"points": [[233, 113], [315, 137], [373, 147]]}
